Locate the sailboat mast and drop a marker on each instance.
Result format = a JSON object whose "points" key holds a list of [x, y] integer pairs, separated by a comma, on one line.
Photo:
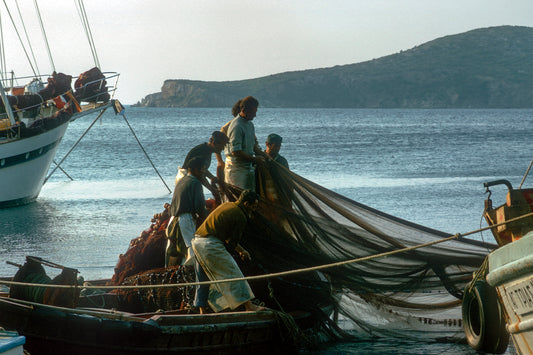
{"points": [[7, 106]]}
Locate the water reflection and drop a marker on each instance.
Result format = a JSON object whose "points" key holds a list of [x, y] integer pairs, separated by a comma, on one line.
{"points": [[87, 235]]}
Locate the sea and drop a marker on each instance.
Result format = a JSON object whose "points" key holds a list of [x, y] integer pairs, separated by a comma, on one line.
{"points": [[426, 166]]}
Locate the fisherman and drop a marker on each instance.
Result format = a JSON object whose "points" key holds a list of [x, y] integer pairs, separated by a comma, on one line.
{"points": [[186, 209], [273, 146], [269, 182], [215, 145], [222, 229], [224, 129], [242, 151]]}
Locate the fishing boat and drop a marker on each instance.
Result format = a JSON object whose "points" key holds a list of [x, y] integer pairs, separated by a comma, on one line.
{"points": [[35, 111], [498, 303], [313, 251], [63, 322], [58, 330]]}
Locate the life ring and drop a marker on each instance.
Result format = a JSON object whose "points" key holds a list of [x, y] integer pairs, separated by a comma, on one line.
{"points": [[483, 319]]}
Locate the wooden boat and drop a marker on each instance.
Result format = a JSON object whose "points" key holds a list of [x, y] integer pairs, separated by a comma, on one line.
{"points": [[499, 301], [34, 118], [60, 330], [57, 320]]}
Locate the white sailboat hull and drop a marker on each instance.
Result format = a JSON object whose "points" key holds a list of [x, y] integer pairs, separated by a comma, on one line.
{"points": [[24, 164]]}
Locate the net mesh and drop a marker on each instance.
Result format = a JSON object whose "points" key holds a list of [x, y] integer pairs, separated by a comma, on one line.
{"points": [[301, 224]]}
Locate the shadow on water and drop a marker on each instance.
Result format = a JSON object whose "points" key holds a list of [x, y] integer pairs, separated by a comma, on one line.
{"points": [[398, 347], [31, 223]]}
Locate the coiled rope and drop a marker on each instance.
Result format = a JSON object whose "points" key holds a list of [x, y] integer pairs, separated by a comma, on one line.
{"points": [[283, 273]]}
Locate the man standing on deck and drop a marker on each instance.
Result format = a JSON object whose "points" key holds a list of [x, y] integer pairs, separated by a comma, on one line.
{"points": [[187, 207], [222, 229], [242, 151], [215, 145], [273, 146]]}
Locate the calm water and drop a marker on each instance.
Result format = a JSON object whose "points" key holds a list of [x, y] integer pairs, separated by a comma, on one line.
{"points": [[426, 166]]}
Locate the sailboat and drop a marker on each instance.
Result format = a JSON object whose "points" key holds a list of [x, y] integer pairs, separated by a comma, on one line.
{"points": [[35, 115]]}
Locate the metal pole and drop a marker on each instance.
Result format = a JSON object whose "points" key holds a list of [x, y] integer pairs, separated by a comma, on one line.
{"points": [[7, 106], [525, 175]]}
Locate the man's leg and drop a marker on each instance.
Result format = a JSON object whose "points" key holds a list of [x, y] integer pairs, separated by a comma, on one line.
{"points": [[187, 227], [202, 291]]}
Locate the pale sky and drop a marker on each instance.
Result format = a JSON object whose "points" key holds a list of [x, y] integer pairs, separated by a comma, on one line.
{"points": [[150, 41]]}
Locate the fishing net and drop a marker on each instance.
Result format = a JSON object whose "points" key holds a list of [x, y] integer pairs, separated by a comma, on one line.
{"points": [[145, 252], [300, 224], [142, 300]]}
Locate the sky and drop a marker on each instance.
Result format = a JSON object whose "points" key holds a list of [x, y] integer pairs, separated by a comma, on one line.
{"points": [[148, 42]]}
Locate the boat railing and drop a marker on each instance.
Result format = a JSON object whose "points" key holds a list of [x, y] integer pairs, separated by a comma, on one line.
{"points": [[88, 103], [9, 83]]}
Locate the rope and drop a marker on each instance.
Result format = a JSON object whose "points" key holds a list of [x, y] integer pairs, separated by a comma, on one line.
{"points": [[63, 171], [20, 39], [75, 144], [271, 295], [289, 329], [27, 37], [283, 273], [44, 35], [87, 130], [80, 6], [144, 151], [480, 274], [2, 52]]}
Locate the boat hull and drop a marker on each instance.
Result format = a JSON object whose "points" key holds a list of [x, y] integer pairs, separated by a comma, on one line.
{"points": [[54, 331], [24, 164], [511, 273]]}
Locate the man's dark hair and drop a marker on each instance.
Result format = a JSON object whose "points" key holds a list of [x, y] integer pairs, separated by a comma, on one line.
{"points": [[249, 196], [236, 108], [218, 137], [196, 163], [248, 102], [274, 138]]}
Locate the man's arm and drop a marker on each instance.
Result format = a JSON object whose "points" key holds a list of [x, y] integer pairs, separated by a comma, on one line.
{"points": [[199, 201], [258, 151], [245, 156], [208, 185], [220, 169]]}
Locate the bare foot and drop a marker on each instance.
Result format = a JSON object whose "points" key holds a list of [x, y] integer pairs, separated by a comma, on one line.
{"points": [[250, 307]]}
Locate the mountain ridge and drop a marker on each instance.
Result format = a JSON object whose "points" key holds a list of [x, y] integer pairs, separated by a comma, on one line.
{"points": [[483, 68]]}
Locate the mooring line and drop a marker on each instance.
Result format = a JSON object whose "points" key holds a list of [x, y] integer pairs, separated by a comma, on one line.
{"points": [[277, 274], [144, 151], [58, 165]]}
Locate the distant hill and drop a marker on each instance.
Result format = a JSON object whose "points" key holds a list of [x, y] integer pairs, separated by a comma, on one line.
{"points": [[484, 68]]}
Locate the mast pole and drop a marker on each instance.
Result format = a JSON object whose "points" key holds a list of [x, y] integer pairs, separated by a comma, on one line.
{"points": [[7, 106]]}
